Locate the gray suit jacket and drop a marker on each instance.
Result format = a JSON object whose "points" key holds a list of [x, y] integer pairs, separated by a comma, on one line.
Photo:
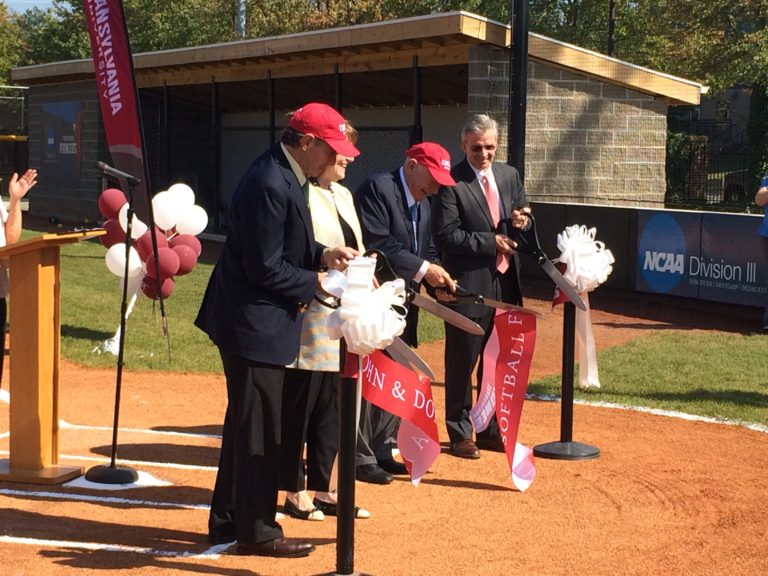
{"points": [[464, 234]]}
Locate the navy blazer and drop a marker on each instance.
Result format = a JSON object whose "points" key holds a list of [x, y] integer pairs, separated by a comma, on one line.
{"points": [[265, 275], [466, 238], [387, 224]]}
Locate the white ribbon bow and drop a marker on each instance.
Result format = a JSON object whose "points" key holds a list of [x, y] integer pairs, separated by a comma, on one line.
{"points": [[366, 318], [588, 265]]}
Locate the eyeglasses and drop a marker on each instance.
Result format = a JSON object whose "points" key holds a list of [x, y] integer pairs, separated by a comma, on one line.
{"points": [[479, 148]]}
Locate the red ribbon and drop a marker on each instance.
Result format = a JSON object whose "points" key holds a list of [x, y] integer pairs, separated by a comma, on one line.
{"points": [[404, 393], [517, 340]]}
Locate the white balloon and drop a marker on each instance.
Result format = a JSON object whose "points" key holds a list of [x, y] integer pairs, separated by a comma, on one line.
{"points": [[115, 260], [192, 221], [138, 228], [165, 209], [135, 265], [182, 195]]}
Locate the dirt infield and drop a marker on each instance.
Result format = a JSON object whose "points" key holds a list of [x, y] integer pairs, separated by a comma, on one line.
{"points": [[666, 495]]}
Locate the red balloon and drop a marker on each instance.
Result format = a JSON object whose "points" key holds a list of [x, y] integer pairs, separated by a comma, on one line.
{"points": [[168, 262], [114, 233], [144, 244], [187, 259], [110, 202], [149, 287], [187, 240]]}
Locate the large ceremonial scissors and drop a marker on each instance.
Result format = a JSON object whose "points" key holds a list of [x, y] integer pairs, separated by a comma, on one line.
{"points": [[528, 243], [384, 272]]}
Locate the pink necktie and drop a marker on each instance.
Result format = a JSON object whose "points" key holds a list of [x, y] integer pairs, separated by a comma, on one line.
{"points": [[502, 260]]}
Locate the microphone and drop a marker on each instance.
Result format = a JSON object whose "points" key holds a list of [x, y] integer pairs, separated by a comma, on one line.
{"points": [[115, 173]]}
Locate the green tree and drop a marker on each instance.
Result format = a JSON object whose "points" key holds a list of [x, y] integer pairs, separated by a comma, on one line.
{"points": [[717, 42], [54, 35], [10, 44], [166, 24]]}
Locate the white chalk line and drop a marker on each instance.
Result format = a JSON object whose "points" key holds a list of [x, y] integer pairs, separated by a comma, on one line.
{"points": [[212, 553], [102, 499], [655, 411], [137, 463]]}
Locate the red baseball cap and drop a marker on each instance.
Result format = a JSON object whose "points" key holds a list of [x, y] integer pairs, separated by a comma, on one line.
{"points": [[322, 121], [436, 159]]}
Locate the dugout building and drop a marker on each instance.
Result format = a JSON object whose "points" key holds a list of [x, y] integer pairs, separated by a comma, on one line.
{"points": [[596, 126]]}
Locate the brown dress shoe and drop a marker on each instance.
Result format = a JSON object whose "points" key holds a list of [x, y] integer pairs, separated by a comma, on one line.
{"points": [[278, 548], [465, 449]]}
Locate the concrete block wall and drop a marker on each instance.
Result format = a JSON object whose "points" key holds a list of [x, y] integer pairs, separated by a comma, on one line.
{"points": [[587, 141]]}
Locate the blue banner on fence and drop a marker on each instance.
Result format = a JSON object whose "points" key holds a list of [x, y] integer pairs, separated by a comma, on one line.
{"points": [[701, 255]]}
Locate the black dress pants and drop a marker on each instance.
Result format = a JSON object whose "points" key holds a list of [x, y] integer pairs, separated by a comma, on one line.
{"points": [[462, 353], [311, 416], [244, 499]]}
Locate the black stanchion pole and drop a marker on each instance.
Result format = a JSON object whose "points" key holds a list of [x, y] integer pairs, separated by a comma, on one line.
{"points": [[345, 507], [345, 527], [566, 448]]}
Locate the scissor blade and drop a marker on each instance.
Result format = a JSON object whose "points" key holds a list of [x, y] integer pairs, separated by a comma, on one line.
{"points": [[451, 316], [562, 283], [404, 354], [506, 306], [464, 296]]}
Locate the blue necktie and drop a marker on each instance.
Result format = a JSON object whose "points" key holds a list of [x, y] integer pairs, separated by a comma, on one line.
{"points": [[415, 222]]}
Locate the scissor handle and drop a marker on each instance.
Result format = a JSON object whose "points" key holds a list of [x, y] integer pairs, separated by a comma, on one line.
{"points": [[528, 240], [463, 295], [384, 271]]}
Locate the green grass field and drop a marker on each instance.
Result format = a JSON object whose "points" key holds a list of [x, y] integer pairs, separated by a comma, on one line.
{"points": [[717, 375]]}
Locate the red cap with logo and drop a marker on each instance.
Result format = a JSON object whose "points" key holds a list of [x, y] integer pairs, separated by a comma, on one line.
{"points": [[322, 121], [434, 158]]}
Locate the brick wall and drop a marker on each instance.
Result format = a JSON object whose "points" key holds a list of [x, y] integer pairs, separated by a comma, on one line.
{"points": [[587, 141]]}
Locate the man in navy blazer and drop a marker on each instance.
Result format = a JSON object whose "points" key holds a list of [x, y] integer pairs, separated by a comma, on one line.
{"points": [[252, 310], [395, 216], [471, 222]]}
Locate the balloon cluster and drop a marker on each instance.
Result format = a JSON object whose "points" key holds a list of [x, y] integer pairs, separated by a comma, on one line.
{"points": [[177, 223]]}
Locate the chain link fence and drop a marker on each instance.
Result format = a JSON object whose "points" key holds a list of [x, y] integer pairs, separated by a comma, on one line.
{"points": [[708, 168]]}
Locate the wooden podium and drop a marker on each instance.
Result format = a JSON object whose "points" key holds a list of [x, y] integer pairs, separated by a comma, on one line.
{"points": [[36, 322]]}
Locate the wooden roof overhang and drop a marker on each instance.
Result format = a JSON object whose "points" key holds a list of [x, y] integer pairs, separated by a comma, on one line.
{"points": [[376, 62]]}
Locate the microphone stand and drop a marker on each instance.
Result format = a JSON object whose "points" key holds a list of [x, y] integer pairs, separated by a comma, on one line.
{"points": [[114, 474]]}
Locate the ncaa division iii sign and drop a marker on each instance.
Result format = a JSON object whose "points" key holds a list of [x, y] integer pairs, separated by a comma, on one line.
{"points": [[707, 255]]}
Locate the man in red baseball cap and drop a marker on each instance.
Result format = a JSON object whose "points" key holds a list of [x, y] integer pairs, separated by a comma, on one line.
{"points": [[436, 160], [395, 216], [325, 123], [253, 309]]}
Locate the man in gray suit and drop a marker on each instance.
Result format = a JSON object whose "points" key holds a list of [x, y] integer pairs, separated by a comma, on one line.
{"points": [[472, 224]]}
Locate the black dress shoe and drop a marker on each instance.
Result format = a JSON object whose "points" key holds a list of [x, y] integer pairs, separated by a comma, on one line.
{"points": [[278, 548], [294, 511], [372, 474], [491, 443], [393, 466], [329, 509], [465, 449]]}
